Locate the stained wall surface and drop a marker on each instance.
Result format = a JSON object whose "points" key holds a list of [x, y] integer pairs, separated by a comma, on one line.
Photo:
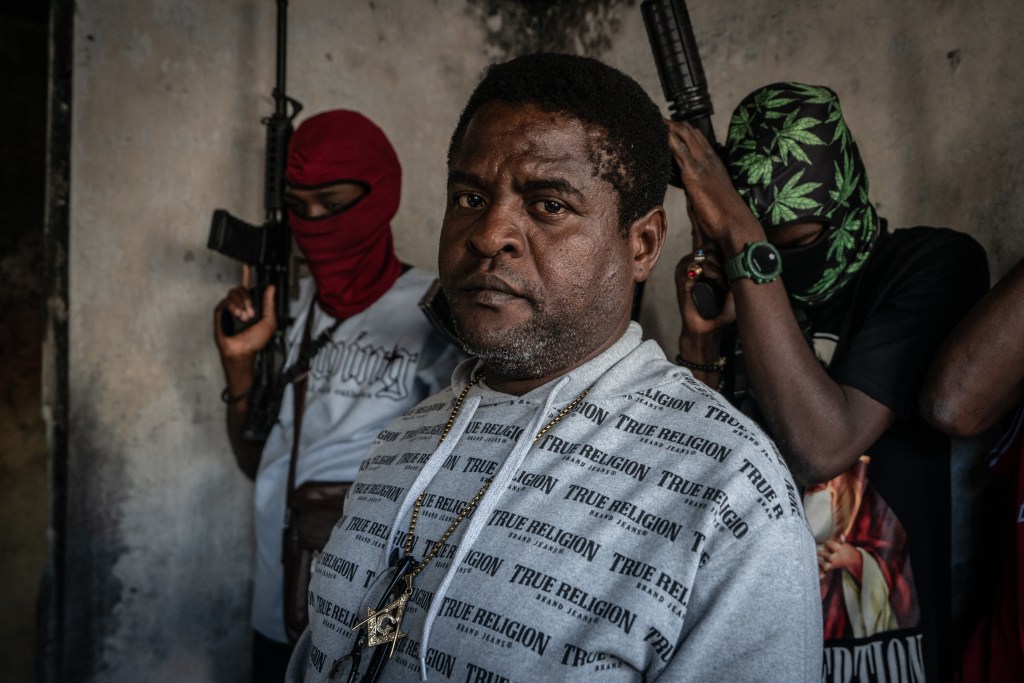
{"points": [[167, 101]]}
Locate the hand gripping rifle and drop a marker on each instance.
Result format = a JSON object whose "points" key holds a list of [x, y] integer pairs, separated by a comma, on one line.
{"points": [[267, 250], [682, 80]]}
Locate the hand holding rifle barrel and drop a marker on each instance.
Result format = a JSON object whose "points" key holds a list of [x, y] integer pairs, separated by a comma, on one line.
{"points": [[686, 89]]}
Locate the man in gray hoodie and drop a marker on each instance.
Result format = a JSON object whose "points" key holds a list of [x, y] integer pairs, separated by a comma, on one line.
{"points": [[574, 506]]}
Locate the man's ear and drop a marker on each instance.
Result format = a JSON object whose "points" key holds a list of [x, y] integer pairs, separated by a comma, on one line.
{"points": [[646, 238]]}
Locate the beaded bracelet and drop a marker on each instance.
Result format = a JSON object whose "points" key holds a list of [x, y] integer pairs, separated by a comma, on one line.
{"points": [[717, 366], [229, 399]]}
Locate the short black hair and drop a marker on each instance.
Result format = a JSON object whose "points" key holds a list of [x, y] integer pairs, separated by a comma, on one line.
{"points": [[634, 157]]}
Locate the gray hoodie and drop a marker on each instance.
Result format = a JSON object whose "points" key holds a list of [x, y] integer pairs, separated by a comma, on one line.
{"points": [[654, 532]]}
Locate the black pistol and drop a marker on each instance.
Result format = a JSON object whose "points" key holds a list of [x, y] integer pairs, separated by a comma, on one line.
{"points": [[267, 250], [682, 80]]}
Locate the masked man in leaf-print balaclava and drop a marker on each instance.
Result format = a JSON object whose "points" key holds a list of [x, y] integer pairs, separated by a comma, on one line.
{"points": [[792, 158], [824, 335]]}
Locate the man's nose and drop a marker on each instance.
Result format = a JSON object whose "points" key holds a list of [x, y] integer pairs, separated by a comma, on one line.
{"points": [[498, 231], [315, 210]]}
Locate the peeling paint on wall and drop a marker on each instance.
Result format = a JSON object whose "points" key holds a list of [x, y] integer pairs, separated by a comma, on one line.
{"points": [[585, 27]]}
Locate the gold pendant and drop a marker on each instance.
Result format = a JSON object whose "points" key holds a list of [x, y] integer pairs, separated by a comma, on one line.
{"points": [[384, 625]]}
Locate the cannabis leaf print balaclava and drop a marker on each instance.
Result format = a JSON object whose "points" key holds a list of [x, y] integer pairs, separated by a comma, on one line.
{"points": [[793, 160]]}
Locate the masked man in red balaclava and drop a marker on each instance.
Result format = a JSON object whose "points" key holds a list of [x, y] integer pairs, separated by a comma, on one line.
{"points": [[374, 355]]}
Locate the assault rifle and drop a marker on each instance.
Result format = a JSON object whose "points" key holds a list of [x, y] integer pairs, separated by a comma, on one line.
{"points": [[686, 89], [267, 250]]}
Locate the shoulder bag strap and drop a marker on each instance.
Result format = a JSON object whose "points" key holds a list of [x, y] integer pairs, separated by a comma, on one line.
{"points": [[298, 375]]}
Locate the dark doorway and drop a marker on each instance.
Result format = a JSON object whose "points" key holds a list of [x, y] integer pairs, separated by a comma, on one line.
{"points": [[23, 452]]}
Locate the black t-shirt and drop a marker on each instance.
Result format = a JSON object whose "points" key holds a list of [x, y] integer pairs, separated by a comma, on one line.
{"points": [[879, 337]]}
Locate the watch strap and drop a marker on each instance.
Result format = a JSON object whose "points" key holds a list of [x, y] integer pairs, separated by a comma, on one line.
{"points": [[735, 268]]}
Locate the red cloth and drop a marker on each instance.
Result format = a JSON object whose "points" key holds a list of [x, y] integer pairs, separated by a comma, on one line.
{"points": [[351, 255], [995, 650], [877, 531]]}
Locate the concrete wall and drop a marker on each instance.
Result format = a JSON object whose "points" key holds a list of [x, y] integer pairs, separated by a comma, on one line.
{"points": [[165, 127]]}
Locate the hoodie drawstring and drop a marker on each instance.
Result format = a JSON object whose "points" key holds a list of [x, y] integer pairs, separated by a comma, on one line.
{"points": [[429, 471], [484, 508]]}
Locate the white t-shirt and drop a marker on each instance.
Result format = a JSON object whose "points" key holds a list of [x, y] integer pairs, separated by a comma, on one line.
{"points": [[379, 363]]}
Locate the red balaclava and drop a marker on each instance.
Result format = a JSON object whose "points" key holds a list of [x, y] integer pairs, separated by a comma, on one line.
{"points": [[351, 255]]}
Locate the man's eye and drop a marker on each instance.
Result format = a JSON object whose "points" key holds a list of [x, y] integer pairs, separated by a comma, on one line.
{"points": [[298, 208], [469, 201], [550, 206]]}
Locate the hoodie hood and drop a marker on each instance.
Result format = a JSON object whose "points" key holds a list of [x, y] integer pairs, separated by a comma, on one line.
{"points": [[597, 373]]}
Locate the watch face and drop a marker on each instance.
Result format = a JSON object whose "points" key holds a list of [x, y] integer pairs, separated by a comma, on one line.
{"points": [[764, 260]]}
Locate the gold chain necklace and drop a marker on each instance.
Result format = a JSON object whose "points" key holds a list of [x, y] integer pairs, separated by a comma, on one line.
{"points": [[384, 625]]}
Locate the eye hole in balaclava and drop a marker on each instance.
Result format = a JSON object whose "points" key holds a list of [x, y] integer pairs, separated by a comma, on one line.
{"points": [[793, 159]]}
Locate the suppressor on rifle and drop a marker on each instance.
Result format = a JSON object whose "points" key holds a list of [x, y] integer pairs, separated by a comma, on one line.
{"points": [[678, 61]]}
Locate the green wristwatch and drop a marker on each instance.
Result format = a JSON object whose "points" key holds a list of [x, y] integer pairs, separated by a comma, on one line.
{"points": [[760, 261]]}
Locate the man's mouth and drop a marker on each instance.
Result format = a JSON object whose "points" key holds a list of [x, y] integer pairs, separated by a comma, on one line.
{"points": [[486, 288]]}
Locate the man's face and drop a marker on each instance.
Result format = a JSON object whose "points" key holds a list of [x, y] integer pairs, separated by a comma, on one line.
{"points": [[532, 260]]}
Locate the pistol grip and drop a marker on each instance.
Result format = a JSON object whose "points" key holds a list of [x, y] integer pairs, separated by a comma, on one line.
{"points": [[708, 297], [230, 325]]}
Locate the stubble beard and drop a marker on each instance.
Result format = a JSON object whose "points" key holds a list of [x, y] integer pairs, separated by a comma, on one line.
{"points": [[523, 352], [549, 342]]}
